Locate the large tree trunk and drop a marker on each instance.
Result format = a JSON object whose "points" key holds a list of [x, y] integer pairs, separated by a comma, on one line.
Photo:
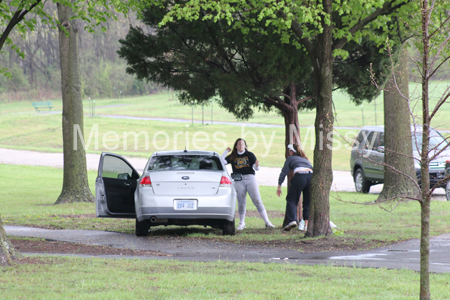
{"points": [[7, 252], [75, 184], [319, 216], [397, 139]]}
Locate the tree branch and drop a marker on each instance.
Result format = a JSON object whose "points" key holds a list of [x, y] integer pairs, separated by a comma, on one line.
{"points": [[387, 8], [17, 17]]}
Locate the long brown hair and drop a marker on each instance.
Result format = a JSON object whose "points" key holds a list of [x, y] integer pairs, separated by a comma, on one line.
{"points": [[234, 153], [299, 152]]}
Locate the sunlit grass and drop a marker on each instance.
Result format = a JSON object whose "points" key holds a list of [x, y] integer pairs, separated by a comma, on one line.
{"points": [[93, 278]]}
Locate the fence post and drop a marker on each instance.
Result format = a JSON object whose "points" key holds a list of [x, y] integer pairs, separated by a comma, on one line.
{"points": [[362, 112]]}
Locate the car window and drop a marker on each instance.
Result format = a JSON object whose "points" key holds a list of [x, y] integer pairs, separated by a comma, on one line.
{"points": [[360, 139], [184, 162], [114, 167], [370, 140], [436, 142]]}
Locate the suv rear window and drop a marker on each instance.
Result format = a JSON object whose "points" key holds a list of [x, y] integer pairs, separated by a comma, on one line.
{"points": [[185, 162], [437, 142]]}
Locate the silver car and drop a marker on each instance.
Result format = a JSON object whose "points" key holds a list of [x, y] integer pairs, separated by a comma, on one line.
{"points": [[176, 188]]}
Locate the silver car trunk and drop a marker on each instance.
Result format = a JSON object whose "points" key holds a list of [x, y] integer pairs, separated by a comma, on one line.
{"points": [[186, 183]]}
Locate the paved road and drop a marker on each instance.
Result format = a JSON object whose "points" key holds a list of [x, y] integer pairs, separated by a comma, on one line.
{"points": [[399, 256]]}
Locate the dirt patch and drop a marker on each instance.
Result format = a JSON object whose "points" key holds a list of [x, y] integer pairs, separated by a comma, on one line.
{"points": [[298, 243], [54, 247]]}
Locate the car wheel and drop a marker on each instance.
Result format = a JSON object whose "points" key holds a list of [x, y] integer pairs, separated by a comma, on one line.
{"points": [[229, 228], [361, 184], [447, 190], [142, 227]]}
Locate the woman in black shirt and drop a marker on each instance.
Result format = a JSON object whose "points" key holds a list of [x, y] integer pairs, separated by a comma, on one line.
{"points": [[245, 162]]}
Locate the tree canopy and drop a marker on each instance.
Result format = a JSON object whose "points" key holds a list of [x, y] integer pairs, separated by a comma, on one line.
{"points": [[205, 59]]}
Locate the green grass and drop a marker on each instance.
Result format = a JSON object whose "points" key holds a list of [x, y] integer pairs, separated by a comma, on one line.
{"points": [[32, 205], [76, 278]]}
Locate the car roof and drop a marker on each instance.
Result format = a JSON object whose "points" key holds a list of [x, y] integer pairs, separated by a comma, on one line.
{"points": [[416, 129], [185, 152], [379, 128]]}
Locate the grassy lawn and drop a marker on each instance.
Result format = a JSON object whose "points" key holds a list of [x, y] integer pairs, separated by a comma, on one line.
{"points": [[93, 278], [27, 194], [163, 105]]}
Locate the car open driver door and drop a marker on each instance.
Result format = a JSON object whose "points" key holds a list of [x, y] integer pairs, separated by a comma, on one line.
{"points": [[114, 187]]}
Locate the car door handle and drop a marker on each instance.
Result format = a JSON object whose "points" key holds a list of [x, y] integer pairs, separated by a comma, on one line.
{"points": [[126, 183]]}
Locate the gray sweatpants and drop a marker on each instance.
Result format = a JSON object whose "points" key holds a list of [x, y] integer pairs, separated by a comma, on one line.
{"points": [[248, 185]]}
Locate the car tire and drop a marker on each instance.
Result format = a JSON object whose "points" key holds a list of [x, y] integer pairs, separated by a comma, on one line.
{"points": [[229, 228], [447, 190], [142, 227], [361, 183]]}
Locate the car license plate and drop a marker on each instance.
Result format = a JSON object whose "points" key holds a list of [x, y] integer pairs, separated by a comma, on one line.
{"points": [[185, 204]]}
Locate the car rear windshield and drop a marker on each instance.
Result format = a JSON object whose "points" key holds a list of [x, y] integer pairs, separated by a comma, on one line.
{"points": [[184, 162], [437, 142]]}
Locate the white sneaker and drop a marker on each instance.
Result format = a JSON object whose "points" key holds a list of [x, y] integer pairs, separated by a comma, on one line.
{"points": [[241, 226], [301, 226], [270, 225], [290, 226]]}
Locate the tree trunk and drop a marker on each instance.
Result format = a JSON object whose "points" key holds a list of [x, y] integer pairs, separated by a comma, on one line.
{"points": [[7, 252], [319, 216], [425, 204], [292, 130], [75, 183], [397, 139]]}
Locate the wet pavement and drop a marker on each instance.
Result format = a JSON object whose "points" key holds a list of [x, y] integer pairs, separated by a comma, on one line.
{"points": [[398, 256]]}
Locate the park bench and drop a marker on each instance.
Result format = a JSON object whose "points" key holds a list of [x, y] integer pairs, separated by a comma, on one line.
{"points": [[43, 104]]}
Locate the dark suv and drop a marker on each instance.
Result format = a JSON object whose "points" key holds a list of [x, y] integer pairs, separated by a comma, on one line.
{"points": [[367, 157]]}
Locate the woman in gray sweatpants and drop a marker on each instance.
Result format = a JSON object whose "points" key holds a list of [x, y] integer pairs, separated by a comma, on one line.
{"points": [[244, 162]]}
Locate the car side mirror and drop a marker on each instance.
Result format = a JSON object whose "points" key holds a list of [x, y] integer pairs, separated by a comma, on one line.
{"points": [[236, 176], [124, 176]]}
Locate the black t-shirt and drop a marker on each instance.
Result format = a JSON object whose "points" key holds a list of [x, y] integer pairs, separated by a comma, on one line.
{"points": [[243, 163]]}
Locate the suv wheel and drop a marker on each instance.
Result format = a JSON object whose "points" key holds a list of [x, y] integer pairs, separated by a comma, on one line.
{"points": [[447, 190], [229, 228], [361, 184], [142, 227]]}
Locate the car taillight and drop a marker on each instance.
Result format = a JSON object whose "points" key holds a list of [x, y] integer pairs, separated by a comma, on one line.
{"points": [[146, 181], [225, 181]]}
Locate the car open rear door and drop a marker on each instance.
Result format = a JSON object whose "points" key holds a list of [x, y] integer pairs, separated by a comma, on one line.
{"points": [[115, 186]]}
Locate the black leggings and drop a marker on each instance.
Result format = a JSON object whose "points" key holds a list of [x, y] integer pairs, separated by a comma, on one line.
{"points": [[301, 182]]}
